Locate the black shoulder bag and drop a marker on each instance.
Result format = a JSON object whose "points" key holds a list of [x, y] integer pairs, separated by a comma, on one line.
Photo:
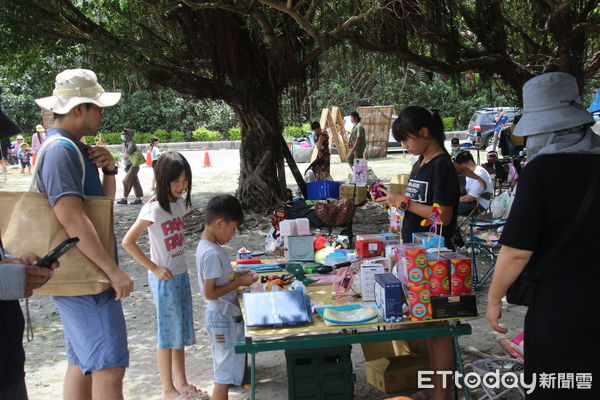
{"points": [[522, 291]]}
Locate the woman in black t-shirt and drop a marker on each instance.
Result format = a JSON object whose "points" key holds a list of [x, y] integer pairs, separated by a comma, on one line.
{"points": [[551, 235], [432, 180]]}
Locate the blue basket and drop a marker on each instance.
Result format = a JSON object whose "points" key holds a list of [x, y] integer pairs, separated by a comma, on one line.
{"points": [[322, 190]]}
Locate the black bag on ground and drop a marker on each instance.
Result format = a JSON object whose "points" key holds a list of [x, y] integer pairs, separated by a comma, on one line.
{"points": [[522, 291]]}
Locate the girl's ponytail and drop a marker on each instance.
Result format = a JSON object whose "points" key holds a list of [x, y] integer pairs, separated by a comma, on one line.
{"points": [[436, 129]]}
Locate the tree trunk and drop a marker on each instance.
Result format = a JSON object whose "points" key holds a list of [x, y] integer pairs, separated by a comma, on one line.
{"points": [[262, 183]]}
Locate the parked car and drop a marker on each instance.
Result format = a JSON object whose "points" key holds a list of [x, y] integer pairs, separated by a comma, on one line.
{"points": [[483, 123]]}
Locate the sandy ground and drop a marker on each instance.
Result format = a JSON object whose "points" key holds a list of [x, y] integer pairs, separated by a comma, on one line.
{"points": [[46, 360]]}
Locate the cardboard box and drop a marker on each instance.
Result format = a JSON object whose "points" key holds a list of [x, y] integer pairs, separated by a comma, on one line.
{"points": [[428, 240], [419, 301], [388, 297], [391, 367], [287, 227], [369, 248], [360, 171], [439, 279], [303, 227], [353, 191], [367, 280], [398, 183], [388, 239], [461, 276], [454, 306]]}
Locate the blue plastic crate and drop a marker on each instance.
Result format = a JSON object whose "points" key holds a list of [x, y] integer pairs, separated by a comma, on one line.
{"points": [[322, 190]]}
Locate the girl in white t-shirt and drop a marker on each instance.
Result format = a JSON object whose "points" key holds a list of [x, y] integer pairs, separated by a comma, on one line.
{"points": [[164, 217]]}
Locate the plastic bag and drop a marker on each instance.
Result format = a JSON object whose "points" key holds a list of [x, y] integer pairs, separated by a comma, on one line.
{"points": [[500, 206], [137, 158], [273, 242], [513, 173], [371, 177]]}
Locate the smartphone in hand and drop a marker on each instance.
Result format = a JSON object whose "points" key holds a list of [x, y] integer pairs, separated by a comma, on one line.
{"points": [[57, 252]]}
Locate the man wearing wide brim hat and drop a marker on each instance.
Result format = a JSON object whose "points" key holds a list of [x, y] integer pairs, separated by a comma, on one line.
{"points": [[94, 325], [550, 236]]}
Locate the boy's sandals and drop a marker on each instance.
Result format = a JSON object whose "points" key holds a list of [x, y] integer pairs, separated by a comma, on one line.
{"points": [[194, 393]]}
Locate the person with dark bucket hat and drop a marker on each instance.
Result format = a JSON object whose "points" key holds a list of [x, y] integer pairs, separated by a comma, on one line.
{"points": [[547, 261]]}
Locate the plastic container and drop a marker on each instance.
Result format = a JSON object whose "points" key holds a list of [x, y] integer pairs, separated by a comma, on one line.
{"points": [[303, 226], [288, 227], [322, 190], [323, 373], [369, 248]]}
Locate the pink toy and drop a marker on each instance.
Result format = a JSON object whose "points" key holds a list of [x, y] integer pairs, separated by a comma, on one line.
{"points": [[343, 282], [375, 191]]}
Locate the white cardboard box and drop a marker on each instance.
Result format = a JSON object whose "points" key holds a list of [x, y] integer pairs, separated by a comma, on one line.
{"points": [[367, 280], [303, 227], [288, 227]]}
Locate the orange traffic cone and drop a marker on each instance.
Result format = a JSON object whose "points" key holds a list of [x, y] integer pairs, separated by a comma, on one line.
{"points": [[206, 160], [148, 157]]}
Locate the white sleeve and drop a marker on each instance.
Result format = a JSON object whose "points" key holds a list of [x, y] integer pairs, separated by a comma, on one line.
{"points": [[148, 212]]}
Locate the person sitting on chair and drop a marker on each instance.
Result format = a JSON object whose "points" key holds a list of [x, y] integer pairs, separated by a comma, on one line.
{"points": [[475, 195]]}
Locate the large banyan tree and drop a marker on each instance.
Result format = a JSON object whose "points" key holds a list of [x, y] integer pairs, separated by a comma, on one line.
{"points": [[249, 52], [243, 52], [513, 40]]}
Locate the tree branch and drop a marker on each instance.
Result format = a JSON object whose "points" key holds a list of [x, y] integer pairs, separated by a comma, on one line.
{"points": [[592, 68]]}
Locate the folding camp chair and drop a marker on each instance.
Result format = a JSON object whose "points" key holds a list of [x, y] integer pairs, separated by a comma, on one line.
{"points": [[462, 221], [483, 236]]}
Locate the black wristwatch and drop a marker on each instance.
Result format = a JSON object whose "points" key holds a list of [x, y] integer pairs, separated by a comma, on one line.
{"points": [[110, 172]]}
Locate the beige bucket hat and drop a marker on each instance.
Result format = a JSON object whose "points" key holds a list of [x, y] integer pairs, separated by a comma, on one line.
{"points": [[77, 86]]}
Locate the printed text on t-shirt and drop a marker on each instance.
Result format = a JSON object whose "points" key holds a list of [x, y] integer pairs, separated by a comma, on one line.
{"points": [[173, 231], [417, 190]]}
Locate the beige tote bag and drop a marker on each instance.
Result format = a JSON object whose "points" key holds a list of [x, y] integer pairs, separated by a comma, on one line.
{"points": [[28, 223]]}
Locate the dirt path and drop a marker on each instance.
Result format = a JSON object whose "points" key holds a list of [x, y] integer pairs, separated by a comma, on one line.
{"points": [[46, 363]]}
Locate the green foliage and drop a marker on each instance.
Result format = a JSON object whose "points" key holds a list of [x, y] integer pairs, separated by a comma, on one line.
{"points": [[163, 135], [176, 136], [293, 132], [202, 134], [448, 123], [143, 138], [350, 78], [234, 133]]}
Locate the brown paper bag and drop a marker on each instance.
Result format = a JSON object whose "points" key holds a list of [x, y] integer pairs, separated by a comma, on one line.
{"points": [[28, 223]]}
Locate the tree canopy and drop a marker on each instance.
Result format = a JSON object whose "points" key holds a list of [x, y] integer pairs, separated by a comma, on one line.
{"points": [[252, 53]]}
